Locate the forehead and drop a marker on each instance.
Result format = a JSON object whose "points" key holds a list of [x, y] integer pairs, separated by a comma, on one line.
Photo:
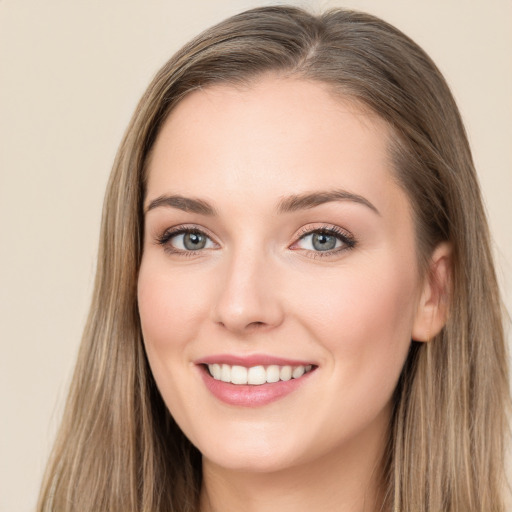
{"points": [[272, 137]]}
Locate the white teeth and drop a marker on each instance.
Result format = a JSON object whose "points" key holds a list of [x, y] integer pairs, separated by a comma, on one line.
{"points": [[273, 373], [238, 375], [285, 373], [215, 371], [256, 375], [225, 373], [298, 372]]}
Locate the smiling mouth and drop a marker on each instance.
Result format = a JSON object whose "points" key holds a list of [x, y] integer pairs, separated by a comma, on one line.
{"points": [[257, 375]]}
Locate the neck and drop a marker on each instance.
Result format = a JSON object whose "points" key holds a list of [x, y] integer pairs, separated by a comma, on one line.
{"points": [[346, 479]]}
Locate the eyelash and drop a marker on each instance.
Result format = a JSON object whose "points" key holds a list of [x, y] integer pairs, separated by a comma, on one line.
{"points": [[348, 240], [165, 238]]}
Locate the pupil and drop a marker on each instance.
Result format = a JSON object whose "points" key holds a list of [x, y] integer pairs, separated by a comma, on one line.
{"points": [[194, 241], [323, 242]]}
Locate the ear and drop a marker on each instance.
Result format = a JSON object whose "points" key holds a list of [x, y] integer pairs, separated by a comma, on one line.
{"points": [[434, 303]]}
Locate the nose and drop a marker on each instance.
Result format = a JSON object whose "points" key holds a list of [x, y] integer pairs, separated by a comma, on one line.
{"points": [[249, 295]]}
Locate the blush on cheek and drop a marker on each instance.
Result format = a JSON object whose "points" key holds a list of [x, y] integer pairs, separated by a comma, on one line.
{"points": [[166, 303], [364, 314]]}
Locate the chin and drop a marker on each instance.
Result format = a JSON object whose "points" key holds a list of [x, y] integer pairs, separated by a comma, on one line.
{"points": [[249, 455], [250, 462]]}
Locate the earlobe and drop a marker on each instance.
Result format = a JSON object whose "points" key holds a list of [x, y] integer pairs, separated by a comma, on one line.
{"points": [[434, 304]]}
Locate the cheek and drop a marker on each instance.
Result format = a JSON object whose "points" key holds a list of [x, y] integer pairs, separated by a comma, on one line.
{"points": [[170, 305], [363, 315], [364, 324]]}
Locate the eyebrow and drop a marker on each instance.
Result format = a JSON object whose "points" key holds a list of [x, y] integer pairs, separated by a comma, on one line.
{"points": [[311, 199], [186, 204], [288, 204]]}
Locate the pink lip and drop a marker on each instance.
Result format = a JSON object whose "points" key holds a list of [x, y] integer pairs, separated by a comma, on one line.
{"points": [[252, 360], [249, 395]]}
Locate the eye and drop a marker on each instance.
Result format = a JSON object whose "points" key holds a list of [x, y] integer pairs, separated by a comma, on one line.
{"points": [[185, 240], [320, 242], [327, 240]]}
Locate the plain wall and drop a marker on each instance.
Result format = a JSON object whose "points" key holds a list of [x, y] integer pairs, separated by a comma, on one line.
{"points": [[70, 76]]}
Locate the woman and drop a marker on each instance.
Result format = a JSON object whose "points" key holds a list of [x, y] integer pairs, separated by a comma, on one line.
{"points": [[295, 305]]}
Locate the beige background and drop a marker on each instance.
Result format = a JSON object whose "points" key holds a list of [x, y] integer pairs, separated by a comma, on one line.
{"points": [[71, 73]]}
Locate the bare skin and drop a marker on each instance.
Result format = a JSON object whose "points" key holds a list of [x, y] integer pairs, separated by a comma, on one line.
{"points": [[321, 485], [274, 229]]}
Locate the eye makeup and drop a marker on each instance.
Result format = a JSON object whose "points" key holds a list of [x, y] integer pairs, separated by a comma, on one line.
{"points": [[186, 236], [322, 240], [314, 242]]}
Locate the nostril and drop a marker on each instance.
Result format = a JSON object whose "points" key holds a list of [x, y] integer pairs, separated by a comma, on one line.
{"points": [[256, 324]]}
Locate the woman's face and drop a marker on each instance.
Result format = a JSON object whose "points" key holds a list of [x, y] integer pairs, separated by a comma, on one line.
{"points": [[278, 256]]}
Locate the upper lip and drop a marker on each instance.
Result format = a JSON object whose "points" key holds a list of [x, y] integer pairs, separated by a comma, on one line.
{"points": [[251, 360]]}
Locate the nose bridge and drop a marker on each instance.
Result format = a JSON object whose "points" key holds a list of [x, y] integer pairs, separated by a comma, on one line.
{"points": [[247, 295]]}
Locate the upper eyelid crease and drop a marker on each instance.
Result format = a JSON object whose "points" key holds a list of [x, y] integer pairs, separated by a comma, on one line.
{"points": [[345, 237], [183, 229], [286, 205], [340, 233]]}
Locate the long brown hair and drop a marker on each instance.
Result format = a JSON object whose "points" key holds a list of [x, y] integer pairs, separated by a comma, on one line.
{"points": [[119, 449]]}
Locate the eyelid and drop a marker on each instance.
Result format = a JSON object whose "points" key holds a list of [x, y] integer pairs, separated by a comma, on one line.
{"points": [[347, 239], [168, 234], [324, 228]]}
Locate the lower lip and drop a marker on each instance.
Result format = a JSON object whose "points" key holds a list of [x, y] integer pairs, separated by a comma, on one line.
{"points": [[251, 396]]}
